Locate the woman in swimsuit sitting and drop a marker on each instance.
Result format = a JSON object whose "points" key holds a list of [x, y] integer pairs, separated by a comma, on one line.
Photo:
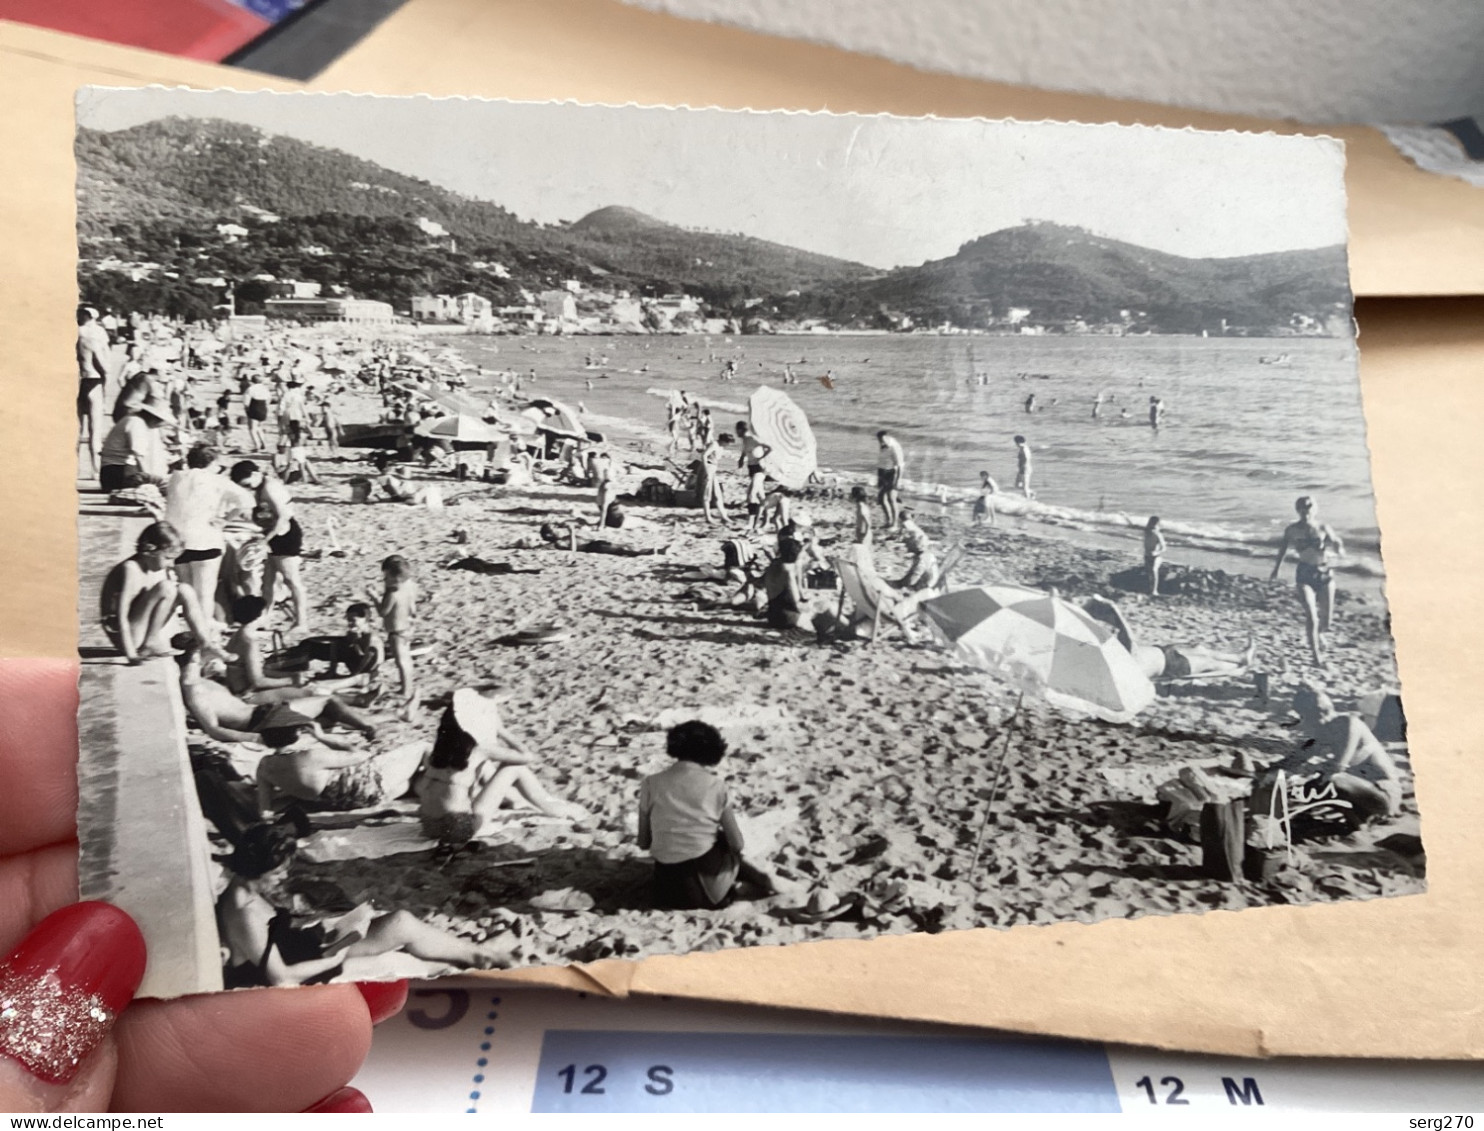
{"points": [[476, 767], [1316, 546], [267, 945]]}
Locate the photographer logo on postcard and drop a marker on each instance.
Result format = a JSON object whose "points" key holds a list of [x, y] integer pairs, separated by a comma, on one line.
{"points": [[525, 534]]}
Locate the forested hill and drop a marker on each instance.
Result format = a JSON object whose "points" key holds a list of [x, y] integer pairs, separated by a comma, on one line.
{"points": [[1063, 274], [194, 173], [205, 170]]}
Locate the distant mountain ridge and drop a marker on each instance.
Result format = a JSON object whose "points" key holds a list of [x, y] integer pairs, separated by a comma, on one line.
{"points": [[1060, 274], [159, 189]]}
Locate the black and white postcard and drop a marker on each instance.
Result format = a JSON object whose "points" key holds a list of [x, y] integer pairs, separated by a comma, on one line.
{"points": [[524, 534]]}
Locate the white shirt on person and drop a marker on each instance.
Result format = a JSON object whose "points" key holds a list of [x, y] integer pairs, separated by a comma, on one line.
{"points": [[684, 804]]}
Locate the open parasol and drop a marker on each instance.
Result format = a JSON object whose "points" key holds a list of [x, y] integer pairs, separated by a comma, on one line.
{"points": [[461, 430], [782, 425], [1048, 645], [556, 418]]}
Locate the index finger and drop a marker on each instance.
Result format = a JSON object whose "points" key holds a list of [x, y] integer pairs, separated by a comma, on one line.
{"points": [[38, 754]]}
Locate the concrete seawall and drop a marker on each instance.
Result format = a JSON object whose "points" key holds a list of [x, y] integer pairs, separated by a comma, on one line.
{"points": [[144, 845]]}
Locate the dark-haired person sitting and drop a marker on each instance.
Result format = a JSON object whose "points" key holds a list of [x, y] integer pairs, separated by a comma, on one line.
{"points": [[477, 767], [360, 651], [686, 823], [266, 945], [248, 674], [221, 715], [141, 595]]}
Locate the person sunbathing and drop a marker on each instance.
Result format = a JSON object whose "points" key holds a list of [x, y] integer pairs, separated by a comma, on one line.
{"points": [[308, 765], [477, 767], [565, 537], [265, 944], [223, 716], [1169, 661]]}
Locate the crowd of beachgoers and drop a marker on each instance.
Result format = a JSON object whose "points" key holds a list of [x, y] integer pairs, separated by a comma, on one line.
{"points": [[470, 684]]}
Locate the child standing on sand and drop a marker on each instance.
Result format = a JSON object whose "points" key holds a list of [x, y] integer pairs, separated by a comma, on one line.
{"points": [[1154, 552], [862, 533], [686, 823], [984, 504], [397, 604]]}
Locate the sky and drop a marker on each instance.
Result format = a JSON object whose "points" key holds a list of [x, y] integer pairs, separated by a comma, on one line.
{"points": [[883, 191]]}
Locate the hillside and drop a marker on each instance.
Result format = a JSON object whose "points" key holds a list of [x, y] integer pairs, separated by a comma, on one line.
{"points": [[206, 170], [723, 267], [1062, 274], [194, 173]]}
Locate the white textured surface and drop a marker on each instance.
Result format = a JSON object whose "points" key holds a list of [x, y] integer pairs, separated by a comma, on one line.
{"points": [[1315, 60]]}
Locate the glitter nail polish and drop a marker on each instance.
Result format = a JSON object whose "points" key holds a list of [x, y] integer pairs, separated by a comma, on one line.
{"points": [[62, 988]]}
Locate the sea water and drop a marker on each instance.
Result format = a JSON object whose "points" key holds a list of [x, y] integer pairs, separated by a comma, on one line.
{"points": [[1249, 424]]}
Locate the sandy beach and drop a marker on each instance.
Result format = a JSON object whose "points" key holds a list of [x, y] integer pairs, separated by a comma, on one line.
{"points": [[863, 768]]}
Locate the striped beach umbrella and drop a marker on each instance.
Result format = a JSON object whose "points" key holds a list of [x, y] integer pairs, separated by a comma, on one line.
{"points": [[782, 425], [1048, 646]]}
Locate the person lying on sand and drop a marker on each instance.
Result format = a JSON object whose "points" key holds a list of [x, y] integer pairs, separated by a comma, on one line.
{"points": [[223, 716], [265, 945], [687, 825], [1169, 661], [308, 765], [476, 768], [141, 595], [564, 536]]}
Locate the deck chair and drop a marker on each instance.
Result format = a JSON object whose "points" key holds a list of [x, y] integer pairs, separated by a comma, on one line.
{"points": [[871, 597]]}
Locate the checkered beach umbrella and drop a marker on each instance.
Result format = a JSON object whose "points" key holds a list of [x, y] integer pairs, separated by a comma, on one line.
{"points": [[1047, 645]]}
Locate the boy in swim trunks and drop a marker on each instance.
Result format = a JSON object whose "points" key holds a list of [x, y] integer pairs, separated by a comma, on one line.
{"points": [[397, 605], [890, 462]]}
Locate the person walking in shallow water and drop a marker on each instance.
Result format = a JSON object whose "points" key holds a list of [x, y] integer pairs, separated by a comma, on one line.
{"points": [[1023, 467], [1317, 546], [1156, 412]]}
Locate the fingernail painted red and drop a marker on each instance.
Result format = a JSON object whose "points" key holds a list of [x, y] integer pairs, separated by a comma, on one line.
{"points": [[347, 1101], [62, 988], [384, 999]]}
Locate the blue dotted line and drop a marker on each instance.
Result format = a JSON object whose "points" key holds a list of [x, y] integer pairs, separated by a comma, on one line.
{"points": [[483, 1062]]}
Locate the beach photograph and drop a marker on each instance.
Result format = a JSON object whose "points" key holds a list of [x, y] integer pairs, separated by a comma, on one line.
{"points": [[530, 534]]}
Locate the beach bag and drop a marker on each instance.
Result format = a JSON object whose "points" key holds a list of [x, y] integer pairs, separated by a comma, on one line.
{"points": [[1223, 839]]}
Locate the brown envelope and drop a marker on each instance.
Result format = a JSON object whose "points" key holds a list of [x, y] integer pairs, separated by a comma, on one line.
{"points": [[1396, 977]]}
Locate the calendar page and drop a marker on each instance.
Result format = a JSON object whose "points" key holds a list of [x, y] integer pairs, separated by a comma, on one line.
{"points": [[465, 1047]]}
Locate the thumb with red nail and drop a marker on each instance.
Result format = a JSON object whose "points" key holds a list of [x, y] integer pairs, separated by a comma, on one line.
{"points": [[61, 990], [70, 1038]]}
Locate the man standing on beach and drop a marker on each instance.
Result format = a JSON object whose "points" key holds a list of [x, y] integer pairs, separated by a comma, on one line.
{"points": [[93, 356], [890, 463], [1023, 467]]}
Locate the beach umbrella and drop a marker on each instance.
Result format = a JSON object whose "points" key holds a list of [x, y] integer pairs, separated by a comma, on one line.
{"points": [[556, 418], [1049, 646], [782, 425], [460, 429]]}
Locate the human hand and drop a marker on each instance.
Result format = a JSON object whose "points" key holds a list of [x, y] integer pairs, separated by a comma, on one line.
{"points": [[252, 1050]]}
